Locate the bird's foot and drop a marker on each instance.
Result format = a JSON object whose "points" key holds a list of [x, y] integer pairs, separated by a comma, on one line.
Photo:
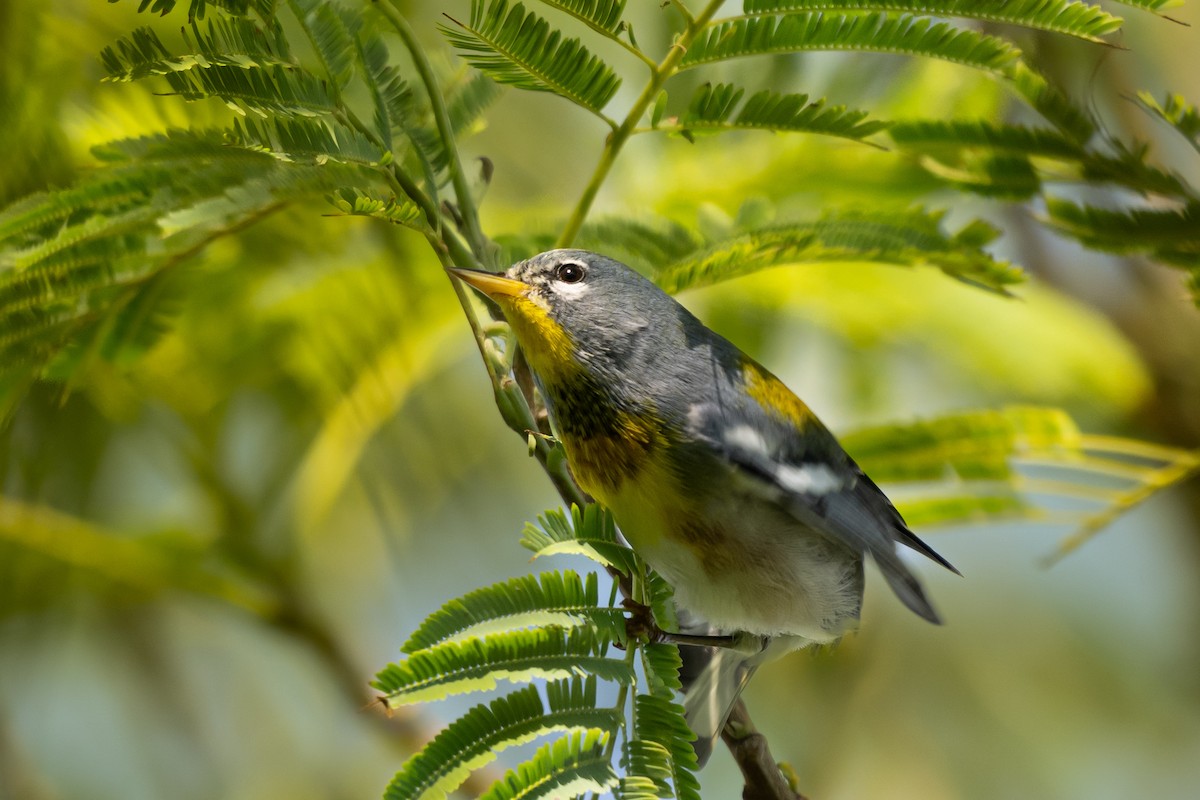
{"points": [[641, 626]]}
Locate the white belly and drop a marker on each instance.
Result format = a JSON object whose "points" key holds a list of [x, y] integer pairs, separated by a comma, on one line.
{"points": [[747, 566]]}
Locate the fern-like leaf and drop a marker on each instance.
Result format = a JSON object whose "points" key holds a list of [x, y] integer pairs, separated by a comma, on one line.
{"points": [[477, 664], [475, 738], [198, 8], [355, 201], [661, 664], [972, 445], [519, 48], [640, 242], [332, 37], [573, 766], [1070, 17], [1174, 231], [715, 108], [935, 135], [1005, 176], [877, 32], [660, 749], [905, 238], [1153, 6], [1051, 103], [228, 42], [1129, 167], [590, 532], [306, 141], [1176, 112], [562, 599], [972, 465], [277, 89], [600, 15]]}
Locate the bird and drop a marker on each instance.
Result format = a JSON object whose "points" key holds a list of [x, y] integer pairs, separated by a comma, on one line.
{"points": [[716, 473]]}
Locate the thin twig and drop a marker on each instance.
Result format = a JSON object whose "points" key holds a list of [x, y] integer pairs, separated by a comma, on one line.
{"points": [[616, 140]]}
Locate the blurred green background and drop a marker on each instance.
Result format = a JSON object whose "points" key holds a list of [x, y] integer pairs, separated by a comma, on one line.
{"points": [[207, 550]]}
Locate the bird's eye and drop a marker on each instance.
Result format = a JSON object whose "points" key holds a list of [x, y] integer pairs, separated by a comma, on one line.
{"points": [[570, 272]]}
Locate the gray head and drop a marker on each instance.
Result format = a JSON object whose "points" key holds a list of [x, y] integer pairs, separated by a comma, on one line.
{"points": [[578, 305]]}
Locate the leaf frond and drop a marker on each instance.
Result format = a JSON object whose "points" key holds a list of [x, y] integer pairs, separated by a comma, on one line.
{"points": [[661, 663], [877, 32], [1051, 103], [1129, 167], [976, 445], [660, 749], [1174, 230], [1153, 6], [715, 108], [1070, 17], [903, 238], [225, 42], [600, 15], [1176, 112], [359, 202], [930, 134], [306, 141], [521, 49], [332, 36], [562, 599], [549, 653], [475, 738], [198, 8], [573, 766], [289, 91], [1005, 175], [974, 465]]}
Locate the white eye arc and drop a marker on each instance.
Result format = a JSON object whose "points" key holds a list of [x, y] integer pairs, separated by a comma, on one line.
{"points": [[570, 272]]}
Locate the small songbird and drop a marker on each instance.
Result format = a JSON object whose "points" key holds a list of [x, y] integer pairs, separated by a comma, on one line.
{"points": [[717, 474]]}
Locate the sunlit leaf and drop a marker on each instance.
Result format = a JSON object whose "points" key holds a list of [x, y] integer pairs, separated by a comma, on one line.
{"points": [[517, 47], [573, 766], [475, 738], [518, 656], [561, 599], [1070, 17]]}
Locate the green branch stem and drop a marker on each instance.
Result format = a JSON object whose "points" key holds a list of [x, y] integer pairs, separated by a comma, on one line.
{"points": [[617, 139], [462, 189], [452, 253]]}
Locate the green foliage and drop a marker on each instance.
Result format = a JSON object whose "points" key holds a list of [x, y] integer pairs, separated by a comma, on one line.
{"points": [[876, 32], [910, 237], [715, 108], [553, 598], [1170, 235], [1176, 112], [93, 275], [571, 767], [1070, 17], [473, 739], [521, 49], [446, 655], [679, 258], [198, 8], [982, 465], [474, 665], [44, 553], [602, 15]]}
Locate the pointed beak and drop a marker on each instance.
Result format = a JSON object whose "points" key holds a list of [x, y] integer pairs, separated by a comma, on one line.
{"points": [[492, 284]]}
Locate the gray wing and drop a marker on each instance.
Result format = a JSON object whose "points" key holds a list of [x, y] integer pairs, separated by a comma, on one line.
{"points": [[814, 480]]}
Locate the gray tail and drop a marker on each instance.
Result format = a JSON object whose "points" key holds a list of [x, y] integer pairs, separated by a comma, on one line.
{"points": [[910, 540], [713, 679], [908, 589]]}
